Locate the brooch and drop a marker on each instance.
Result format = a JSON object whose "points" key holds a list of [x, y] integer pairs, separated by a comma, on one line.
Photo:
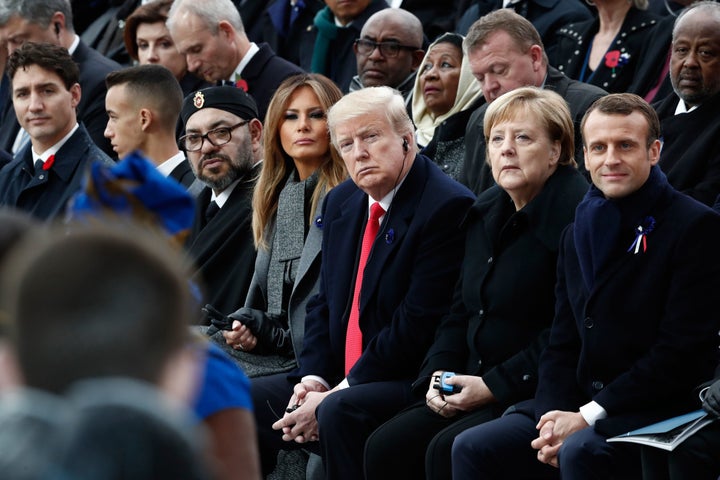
{"points": [[390, 236], [242, 84], [614, 59], [641, 232]]}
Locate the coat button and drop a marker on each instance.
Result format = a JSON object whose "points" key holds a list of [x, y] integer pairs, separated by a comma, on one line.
{"points": [[527, 377], [598, 385], [588, 322], [481, 312], [490, 260]]}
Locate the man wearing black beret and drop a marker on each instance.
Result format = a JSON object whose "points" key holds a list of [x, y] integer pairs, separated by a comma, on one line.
{"points": [[223, 144]]}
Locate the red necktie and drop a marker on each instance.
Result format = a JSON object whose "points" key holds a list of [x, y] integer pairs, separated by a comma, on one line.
{"points": [[353, 340], [49, 162]]}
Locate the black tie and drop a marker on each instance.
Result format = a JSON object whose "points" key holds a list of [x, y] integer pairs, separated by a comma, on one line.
{"points": [[211, 210]]}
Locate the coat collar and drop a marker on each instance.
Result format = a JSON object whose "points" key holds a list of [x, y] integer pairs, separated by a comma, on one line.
{"points": [[66, 159], [546, 215]]}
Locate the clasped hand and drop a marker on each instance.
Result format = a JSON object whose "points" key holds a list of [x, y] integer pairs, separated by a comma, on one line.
{"points": [[554, 427], [299, 423]]}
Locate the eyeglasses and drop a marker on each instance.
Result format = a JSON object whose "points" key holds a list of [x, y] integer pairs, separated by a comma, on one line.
{"points": [[387, 49], [192, 142]]}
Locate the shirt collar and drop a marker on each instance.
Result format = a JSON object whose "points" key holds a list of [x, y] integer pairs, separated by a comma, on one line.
{"points": [[54, 149], [224, 195], [245, 60], [169, 165], [74, 45], [682, 108], [386, 201]]}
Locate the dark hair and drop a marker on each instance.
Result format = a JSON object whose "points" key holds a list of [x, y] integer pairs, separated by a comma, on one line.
{"points": [[625, 104], [151, 85], [452, 38], [46, 56], [98, 302], [153, 12]]}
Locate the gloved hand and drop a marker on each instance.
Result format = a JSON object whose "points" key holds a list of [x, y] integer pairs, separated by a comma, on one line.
{"points": [[268, 329], [711, 404]]}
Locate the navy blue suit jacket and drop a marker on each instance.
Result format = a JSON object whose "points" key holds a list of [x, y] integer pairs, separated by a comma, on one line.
{"points": [[45, 194], [408, 280], [645, 335]]}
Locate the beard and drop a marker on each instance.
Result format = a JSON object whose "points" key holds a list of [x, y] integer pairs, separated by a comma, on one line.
{"points": [[238, 166]]}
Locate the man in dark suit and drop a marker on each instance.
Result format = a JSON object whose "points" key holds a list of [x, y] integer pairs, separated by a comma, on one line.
{"points": [[49, 170], [143, 104], [368, 328], [689, 118], [212, 37], [222, 142], [51, 21], [638, 272], [327, 47], [505, 52], [390, 28]]}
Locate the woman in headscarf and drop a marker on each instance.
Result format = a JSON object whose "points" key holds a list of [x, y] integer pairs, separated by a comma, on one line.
{"points": [[445, 96]]}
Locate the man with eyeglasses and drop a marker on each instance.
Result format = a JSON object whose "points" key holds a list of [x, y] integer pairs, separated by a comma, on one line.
{"points": [[327, 47], [223, 143], [389, 52]]}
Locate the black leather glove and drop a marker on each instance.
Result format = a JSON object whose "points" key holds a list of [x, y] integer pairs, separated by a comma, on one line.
{"points": [[272, 338], [711, 404]]}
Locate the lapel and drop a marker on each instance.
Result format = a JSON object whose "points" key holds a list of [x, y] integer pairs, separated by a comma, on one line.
{"points": [[257, 63], [393, 229], [262, 265], [312, 247], [348, 226], [67, 160]]}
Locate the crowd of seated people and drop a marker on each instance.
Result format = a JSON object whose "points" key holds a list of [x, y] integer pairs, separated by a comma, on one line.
{"points": [[457, 239]]}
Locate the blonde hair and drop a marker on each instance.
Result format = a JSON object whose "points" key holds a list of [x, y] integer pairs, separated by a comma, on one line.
{"points": [[547, 106], [371, 101], [277, 164]]}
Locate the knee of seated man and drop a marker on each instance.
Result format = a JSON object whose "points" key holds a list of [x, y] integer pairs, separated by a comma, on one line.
{"points": [[581, 444]]}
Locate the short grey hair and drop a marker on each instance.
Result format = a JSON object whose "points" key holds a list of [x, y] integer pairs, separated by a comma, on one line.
{"points": [[39, 12], [371, 100], [211, 12]]}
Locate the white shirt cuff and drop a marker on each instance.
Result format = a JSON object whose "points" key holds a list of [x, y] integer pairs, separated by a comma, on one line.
{"points": [[592, 412], [320, 380]]}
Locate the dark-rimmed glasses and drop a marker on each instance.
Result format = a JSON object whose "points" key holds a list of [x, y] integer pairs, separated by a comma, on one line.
{"points": [[192, 142], [387, 49]]}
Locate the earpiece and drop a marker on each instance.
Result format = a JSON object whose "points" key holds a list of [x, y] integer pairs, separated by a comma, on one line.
{"points": [[57, 29], [405, 145]]}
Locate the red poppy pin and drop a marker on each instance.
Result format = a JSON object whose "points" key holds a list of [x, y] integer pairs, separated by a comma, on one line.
{"points": [[241, 83], [612, 58]]}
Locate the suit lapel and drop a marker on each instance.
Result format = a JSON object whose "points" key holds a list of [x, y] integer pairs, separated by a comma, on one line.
{"points": [[312, 247], [393, 230]]}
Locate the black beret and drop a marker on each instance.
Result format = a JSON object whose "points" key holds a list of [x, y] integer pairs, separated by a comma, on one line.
{"points": [[228, 98]]}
